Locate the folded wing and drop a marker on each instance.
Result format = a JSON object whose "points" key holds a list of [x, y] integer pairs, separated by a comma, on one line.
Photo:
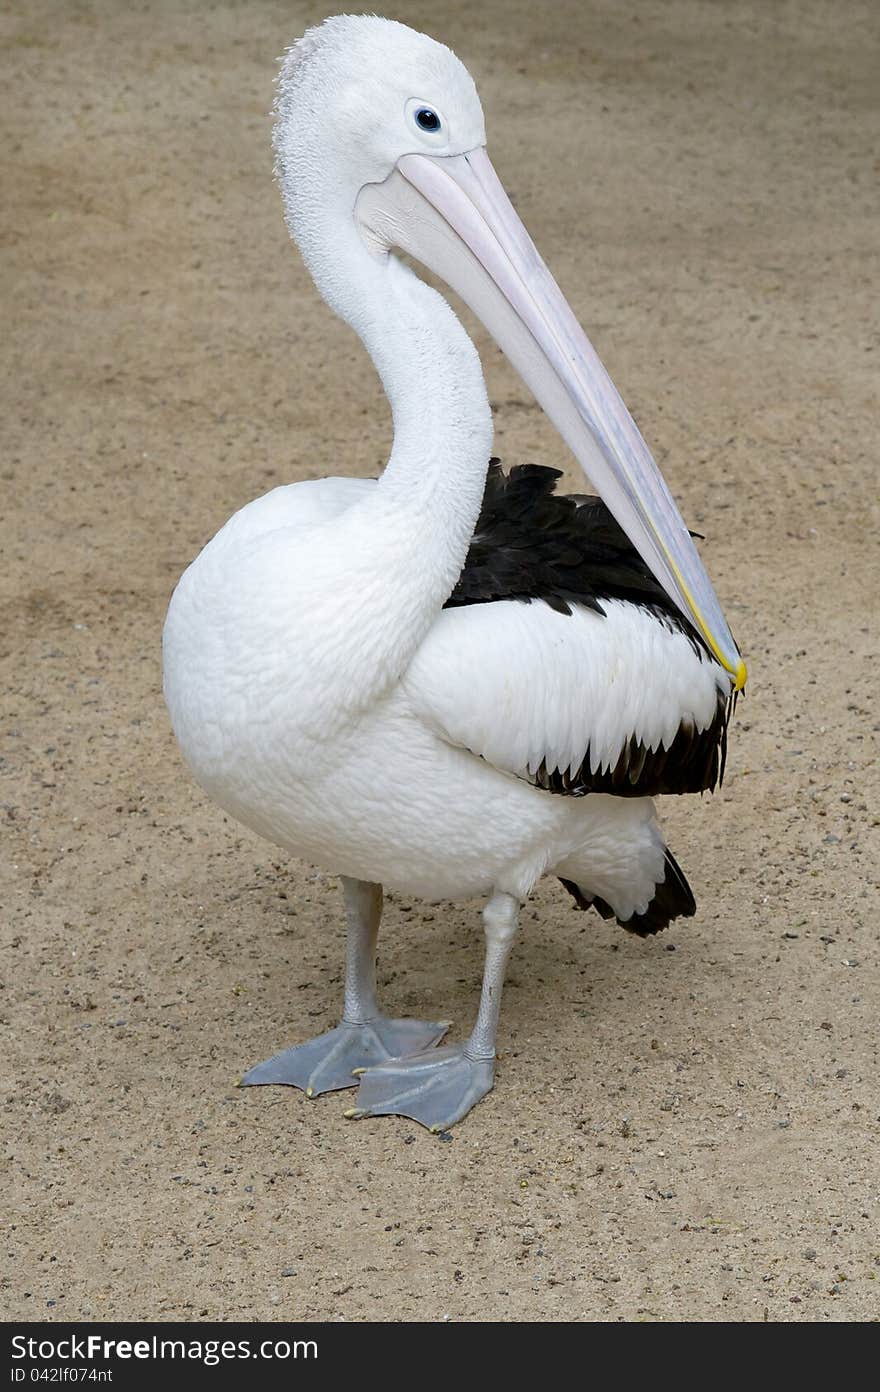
{"points": [[560, 660]]}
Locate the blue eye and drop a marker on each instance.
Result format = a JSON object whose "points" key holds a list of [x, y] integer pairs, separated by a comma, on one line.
{"points": [[427, 120]]}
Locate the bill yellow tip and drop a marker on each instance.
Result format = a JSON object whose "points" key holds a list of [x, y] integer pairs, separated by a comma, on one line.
{"points": [[738, 672]]}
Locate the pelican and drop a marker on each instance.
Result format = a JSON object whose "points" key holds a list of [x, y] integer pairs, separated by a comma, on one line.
{"points": [[449, 681]]}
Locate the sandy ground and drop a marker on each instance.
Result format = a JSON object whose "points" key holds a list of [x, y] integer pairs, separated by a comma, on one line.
{"points": [[684, 1128]]}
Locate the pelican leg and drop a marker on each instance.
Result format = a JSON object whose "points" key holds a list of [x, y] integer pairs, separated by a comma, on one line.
{"points": [[364, 1036], [439, 1087]]}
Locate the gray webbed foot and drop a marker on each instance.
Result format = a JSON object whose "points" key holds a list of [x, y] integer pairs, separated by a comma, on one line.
{"points": [[436, 1088], [327, 1063]]}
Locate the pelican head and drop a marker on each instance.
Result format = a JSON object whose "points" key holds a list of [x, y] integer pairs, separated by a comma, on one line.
{"points": [[380, 140], [351, 94]]}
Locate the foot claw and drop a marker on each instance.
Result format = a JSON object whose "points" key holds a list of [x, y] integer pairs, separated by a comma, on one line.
{"points": [[329, 1062]]}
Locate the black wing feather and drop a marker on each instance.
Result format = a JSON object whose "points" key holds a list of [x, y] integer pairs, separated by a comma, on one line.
{"points": [[565, 548], [533, 543]]}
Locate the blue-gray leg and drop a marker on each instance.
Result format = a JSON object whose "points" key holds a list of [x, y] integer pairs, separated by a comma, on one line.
{"points": [[364, 1036], [439, 1087]]}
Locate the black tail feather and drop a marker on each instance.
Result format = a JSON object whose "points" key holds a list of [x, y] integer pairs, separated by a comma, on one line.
{"points": [[673, 898]]}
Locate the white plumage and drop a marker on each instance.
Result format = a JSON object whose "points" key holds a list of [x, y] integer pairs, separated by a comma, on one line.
{"points": [[418, 790], [521, 685], [319, 689]]}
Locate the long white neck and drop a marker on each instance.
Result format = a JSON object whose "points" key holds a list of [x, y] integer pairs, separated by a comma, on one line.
{"points": [[442, 422], [399, 553], [432, 377]]}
